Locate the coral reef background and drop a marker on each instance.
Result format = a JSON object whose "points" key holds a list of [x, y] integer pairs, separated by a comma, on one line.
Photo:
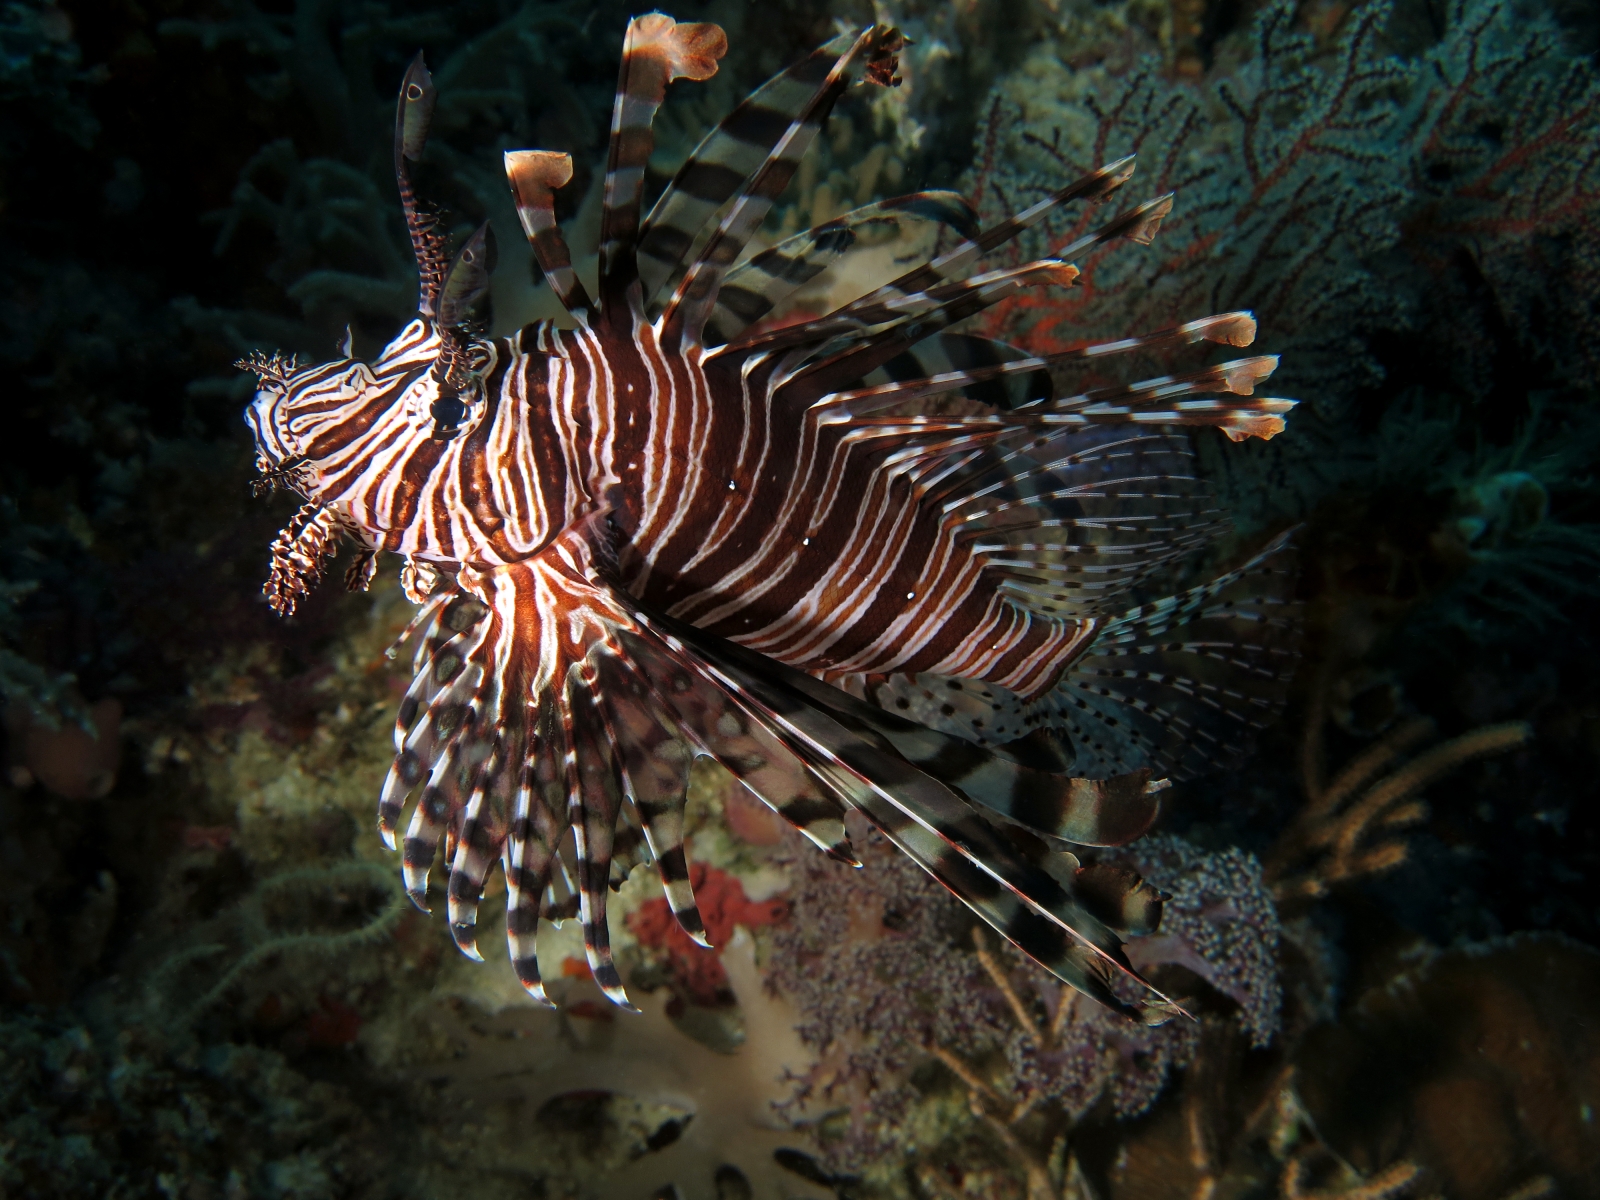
{"points": [[210, 983]]}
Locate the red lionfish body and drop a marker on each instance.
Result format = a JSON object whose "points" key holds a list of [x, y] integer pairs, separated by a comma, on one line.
{"points": [[665, 533]]}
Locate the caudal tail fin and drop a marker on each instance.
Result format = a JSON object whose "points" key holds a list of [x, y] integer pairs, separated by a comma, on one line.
{"points": [[1176, 687], [1181, 685]]}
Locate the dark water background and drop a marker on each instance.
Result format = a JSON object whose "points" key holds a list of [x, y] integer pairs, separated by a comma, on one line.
{"points": [[1414, 212]]}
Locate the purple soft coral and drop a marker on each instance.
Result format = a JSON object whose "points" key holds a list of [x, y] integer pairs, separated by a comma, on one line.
{"points": [[876, 961], [1219, 923]]}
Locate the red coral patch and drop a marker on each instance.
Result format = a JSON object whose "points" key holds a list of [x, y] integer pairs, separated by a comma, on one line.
{"points": [[696, 971]]}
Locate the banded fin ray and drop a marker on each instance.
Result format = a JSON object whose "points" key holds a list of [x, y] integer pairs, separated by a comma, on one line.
{"points": [[754, 289], [450, 636], [1095, 187], [684, 315], [901, 322], [629, 847], [614, 725], [656, 50], [595, 798], [851, 746], [910, 289], [540, 820], [534, 176], [750, 752], [655, 760], [720, 165], [472, 848]]}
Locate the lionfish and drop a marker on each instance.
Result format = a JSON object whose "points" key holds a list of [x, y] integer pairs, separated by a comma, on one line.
{"points": [[863, 561]]}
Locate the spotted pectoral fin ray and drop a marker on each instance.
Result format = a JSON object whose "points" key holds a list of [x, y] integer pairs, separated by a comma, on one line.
{"points": [[1184, 683], [1106, 812]]}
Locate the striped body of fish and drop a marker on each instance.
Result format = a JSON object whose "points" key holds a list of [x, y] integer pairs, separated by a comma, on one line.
{"points": [[862, 561]]}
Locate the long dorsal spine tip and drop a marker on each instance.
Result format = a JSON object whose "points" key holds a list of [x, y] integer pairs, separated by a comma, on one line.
{"points": [[656, 50], [550, 169], [1061, 274], [1237, 329], [534, 175], [686, 51], [1145, 221], [1120, 171], [414, 112]]}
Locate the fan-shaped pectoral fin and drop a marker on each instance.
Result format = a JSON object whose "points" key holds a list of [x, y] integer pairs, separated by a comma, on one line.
{"points": [[547, 723]]}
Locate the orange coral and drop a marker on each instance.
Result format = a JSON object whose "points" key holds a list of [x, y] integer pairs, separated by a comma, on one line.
{"points": [[723, 905]]}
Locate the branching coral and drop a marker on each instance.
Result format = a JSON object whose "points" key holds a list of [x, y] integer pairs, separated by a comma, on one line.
{"points": [[337, 895], [1005, 1107], [1300, 169], [1285, 178], [1507, 165], [1347, 828], [1305, 1167]]}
